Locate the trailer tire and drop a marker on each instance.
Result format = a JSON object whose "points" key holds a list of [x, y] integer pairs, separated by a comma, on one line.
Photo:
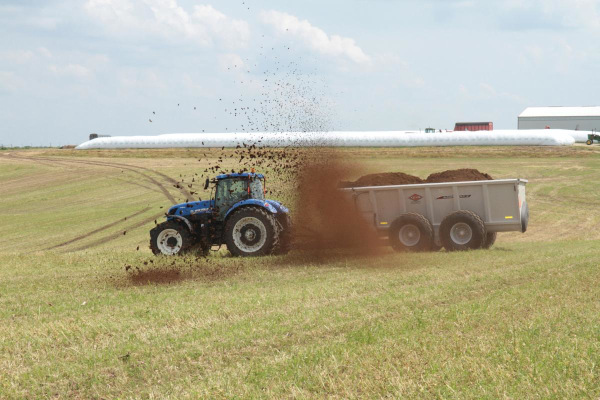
{"points": [[462, 230], [524, 217], [251, 231], [171, 238], [411, 232], [490, 239]]}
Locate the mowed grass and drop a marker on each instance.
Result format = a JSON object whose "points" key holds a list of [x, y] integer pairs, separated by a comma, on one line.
{"points": [[519, 321]]}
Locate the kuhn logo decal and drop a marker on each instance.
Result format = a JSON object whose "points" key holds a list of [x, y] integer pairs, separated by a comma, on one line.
{"points": [[415, 197]]}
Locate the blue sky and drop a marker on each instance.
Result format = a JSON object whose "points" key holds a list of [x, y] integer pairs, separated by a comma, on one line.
{"points": [[69, 68]]}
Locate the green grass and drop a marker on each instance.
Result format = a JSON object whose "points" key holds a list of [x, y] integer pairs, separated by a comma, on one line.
{"points": [[521, 320]]}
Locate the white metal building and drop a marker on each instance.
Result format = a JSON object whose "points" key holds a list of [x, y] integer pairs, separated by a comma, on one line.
{"points": [[574, 118]]}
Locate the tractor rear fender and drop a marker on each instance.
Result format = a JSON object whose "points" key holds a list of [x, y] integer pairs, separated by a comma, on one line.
{"points": [[281, 209], [182, 219], [254, 203]]}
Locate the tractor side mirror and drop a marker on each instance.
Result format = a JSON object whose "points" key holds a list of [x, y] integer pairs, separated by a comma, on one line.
{"points": [[206, 183]]}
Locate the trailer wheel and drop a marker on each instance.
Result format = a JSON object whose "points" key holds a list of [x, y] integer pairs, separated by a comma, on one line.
{"points": [[170, 238], [490, 239], [411, 232], [251, 232], [524, 217], [462, 230]]}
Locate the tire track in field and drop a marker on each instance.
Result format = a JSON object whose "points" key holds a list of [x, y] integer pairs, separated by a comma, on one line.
{"points": [[133, 169], [164, 190], [102, 228], [108, 238], [150, 189], [116, 235], [130, 167], [181, 189]]}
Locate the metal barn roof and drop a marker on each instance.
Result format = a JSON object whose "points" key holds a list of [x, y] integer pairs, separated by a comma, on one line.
{"points": [[593, 111]]}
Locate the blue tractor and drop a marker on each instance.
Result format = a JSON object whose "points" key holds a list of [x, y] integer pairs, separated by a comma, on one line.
{"points": [[237, 215]]}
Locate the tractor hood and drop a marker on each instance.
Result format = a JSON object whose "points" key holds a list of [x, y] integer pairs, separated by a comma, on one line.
{"points": [[191, 208]]}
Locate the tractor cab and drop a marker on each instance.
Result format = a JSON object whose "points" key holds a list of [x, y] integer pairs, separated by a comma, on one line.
{"points": [[231, 189]]}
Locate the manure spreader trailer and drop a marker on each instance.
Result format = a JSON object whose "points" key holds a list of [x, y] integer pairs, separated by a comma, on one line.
{"points": [[454, 215]]}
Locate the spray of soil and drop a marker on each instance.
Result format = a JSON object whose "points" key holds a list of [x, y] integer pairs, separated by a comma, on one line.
{"points": [[325, 217], [174, 270]]}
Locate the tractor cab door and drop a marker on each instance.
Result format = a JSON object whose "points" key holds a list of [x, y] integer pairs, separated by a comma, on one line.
{"points": [[229, 192]]}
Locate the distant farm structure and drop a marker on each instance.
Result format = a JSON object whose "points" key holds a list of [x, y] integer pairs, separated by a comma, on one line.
{"points": [[474, 126], [574, 118]]}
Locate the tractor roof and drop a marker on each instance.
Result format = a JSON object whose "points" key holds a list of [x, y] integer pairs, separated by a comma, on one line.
{"points": [[240, 175]]}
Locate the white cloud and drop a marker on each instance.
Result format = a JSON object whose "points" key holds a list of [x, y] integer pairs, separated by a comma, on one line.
{"points": [[486, 91], [17, 57], [45, 52], [566, 13], [230, 61], [141, 80], [166, 19], [314, 37], [9, 81], [77, 71]]}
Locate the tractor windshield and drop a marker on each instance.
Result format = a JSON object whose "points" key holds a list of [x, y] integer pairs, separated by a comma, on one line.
{"points": [[230, 191]]}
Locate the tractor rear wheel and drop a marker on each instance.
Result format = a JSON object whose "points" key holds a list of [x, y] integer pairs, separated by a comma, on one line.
{"points": [[170, 238], [284, 244], [251, 231]]}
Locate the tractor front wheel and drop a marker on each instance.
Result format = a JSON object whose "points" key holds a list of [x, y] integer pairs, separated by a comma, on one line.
{"points": [[170, 238], [589, 142]]}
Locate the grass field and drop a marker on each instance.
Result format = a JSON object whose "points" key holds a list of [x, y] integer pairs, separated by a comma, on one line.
{"points": [[521, 320]]}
